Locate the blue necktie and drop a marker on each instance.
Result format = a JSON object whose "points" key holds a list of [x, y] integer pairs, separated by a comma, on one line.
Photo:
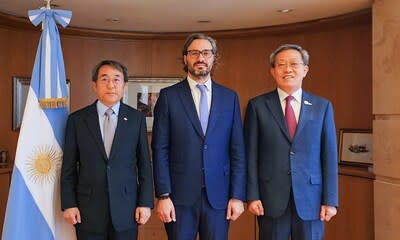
{"points": [[203, 107]]}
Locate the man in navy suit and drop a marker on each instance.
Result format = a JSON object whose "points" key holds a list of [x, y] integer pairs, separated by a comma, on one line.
{"points": [[198, 150], [106, 193], [292, 164]]}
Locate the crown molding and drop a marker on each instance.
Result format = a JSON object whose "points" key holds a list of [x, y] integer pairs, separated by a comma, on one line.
{"points": [[360, 17]]}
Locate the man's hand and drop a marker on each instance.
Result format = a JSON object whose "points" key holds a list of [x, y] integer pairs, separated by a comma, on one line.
{"points": [[165, 210], [256, 207], [142, 215], [72, 215], [327, 212], [235, 209]]}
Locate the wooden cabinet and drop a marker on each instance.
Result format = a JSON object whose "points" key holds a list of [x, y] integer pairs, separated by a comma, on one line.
{"points": [[243, 228], [355, 217], [5, 177], [153, 229]]}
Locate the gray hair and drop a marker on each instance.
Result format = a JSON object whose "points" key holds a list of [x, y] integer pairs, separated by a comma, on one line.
{"points": [[302, 51]]}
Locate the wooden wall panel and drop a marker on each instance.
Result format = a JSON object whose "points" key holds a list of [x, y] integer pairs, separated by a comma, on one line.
{"points": [[340, 69], [244, 66], [17, 60], [166, 58], [355, 218], [244, 228], [5, 176], [81, 55], [153, 229], [5, 91]]}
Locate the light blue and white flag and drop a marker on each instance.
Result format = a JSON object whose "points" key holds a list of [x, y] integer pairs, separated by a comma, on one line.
{"points": [[33, 207]]}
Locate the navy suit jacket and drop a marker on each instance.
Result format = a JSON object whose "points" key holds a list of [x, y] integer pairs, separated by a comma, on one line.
{"points": [[185, 160], [308, 165], [102, 187]]}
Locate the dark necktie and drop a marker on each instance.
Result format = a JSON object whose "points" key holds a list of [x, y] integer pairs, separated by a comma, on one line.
{"points": [[203, 107], [290, 117], [108, 131]]}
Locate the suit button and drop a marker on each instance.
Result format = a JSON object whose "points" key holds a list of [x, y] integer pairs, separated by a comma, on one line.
{"points": [[291, 153], [289, 172]]}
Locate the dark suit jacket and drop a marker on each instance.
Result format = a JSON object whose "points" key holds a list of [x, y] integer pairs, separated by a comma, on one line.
{"points": [[102, 187], [308, 165], [185, 160]]}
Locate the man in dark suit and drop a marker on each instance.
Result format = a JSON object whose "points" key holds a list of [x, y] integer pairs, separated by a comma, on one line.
{"points": [[292, 155], [198, 150], [106, 189]]}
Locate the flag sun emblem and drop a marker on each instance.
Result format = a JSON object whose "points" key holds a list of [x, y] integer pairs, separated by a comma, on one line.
{"points": [[44, 164]]}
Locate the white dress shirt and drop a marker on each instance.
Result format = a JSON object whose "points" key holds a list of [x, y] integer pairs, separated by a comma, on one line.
{"points": [[296, 102], [196, 93], [101, 110]]}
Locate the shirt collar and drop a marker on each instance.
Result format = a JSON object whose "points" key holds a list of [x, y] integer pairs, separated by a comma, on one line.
{"points": [[101, 108], [296, 95], [193, 83]]}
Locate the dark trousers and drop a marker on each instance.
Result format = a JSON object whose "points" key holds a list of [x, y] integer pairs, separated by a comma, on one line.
{"points": [[290, 225], [210, 223], [108, 234]]}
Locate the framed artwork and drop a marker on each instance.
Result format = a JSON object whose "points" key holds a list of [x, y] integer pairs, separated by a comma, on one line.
{"points": [[355, 146], [20, 93], [142, 94]]}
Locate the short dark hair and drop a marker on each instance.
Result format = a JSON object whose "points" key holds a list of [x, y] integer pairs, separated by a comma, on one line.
{"points": [[117, 65], [196, 36], [302, 51]]}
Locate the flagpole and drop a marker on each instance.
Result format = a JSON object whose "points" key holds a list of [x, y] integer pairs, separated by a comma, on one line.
{"points": [[34, 188], [48, 4]]}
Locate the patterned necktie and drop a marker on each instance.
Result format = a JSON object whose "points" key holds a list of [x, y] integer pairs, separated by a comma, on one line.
{"points": [[108, 131], [290, 117], [203, 107]]}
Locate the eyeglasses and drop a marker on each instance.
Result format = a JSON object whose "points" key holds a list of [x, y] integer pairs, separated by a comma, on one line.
{"points": [[206, 53], [293, 65], [106, 81]]}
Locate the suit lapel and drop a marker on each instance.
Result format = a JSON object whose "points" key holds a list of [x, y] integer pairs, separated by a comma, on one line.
{"points": [[216, 107], [189, 107], [305, 113], [92, 122], [275, 107], [119, 131]]}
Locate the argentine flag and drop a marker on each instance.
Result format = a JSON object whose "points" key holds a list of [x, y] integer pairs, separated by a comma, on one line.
{"points": [[33, 207]]}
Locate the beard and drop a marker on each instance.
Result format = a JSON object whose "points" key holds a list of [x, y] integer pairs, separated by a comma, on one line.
{"points": [[199, 73]]}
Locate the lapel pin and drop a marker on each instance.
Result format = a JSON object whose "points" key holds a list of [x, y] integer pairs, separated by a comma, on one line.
{"points": [[307, 103]]}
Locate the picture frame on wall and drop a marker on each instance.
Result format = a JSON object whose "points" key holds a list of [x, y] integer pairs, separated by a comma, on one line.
{"points": [[20, 93], [355, 147], [142, 94]]}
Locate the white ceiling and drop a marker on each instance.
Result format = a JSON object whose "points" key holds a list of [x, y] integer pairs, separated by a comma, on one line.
{"points": [[183, 15]]}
